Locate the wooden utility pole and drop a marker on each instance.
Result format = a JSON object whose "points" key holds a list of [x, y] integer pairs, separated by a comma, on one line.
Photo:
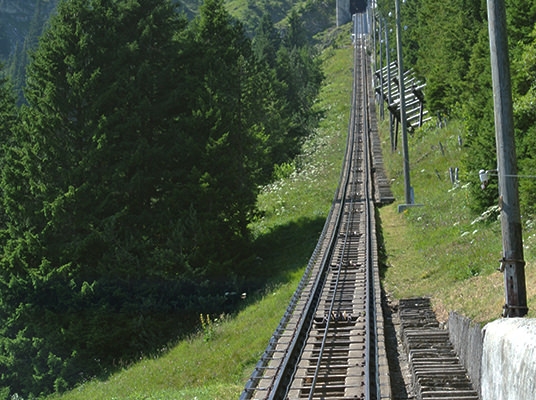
{"points": [[512, 263]]}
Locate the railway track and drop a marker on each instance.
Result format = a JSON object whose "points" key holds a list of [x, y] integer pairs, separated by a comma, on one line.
{"points": [[436, 370], [330, 341]]}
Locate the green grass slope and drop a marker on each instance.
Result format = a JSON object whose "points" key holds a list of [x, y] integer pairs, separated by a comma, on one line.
{"points": [[441, 249], [317, 15]]}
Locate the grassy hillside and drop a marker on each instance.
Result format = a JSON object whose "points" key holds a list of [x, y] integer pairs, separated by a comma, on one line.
{"points": [[441, 249], [215, 363], [317, 15]]}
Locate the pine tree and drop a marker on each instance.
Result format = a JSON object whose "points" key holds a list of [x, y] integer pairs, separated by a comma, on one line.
{"points": [[229, 139], [300, 72], [89, 191], [525, 119], [132, 177], [444, 58]]}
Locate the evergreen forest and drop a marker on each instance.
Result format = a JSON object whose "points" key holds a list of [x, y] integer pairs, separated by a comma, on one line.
{"points": [[129, 177], [138, 136], [447, 45]]}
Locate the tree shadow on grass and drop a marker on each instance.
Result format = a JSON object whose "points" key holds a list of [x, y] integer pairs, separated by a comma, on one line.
{"points": [[277, 256], [283, 251]]}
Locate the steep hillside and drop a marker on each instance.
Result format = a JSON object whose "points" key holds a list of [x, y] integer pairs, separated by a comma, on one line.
{"points": [[21, 25], [184, 121], [294, 209], [317, 15], [21, 21]]}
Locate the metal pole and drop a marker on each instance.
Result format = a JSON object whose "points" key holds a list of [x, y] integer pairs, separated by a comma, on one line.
{"points": [[382, 100], [389, 97], [513, 264], [372, 20], [403, 125]]}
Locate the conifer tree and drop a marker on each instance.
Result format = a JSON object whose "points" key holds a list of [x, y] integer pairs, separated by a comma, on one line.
{"points": [[131, 178], [299, 70], [230, 137], [89, 189]]}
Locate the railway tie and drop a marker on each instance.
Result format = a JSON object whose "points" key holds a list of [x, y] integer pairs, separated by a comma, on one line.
{"points": [[436, 370], [330, 343]]}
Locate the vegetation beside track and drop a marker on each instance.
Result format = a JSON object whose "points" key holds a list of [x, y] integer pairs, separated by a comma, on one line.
{"points": [[217, 361], [434, 250], [441, 248]]}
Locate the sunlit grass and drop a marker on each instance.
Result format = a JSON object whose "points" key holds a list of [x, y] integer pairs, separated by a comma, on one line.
{"points": [[440, 249]]}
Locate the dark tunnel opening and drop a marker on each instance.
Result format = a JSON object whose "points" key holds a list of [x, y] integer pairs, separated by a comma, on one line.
{"points": [[358, 6]]}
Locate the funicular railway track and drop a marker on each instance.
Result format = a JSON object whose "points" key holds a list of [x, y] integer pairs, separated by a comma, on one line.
{"points": [[329, 343]]}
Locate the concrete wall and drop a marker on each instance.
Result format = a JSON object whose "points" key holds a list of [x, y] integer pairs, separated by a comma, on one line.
{"points": [[466, 338], [509, 360], [343, 12], [500, 359]]}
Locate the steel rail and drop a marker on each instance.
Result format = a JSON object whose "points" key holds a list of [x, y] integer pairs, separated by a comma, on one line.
{"points": [[335, 287], [337, 280], [371, 298], [361, 77], [298, 320], [368, 230], [333, 219]]}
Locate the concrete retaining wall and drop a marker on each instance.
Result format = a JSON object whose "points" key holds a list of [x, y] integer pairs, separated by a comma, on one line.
{"points": [[343, 12], [466, 338], [509, 360], [500, 359]]}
